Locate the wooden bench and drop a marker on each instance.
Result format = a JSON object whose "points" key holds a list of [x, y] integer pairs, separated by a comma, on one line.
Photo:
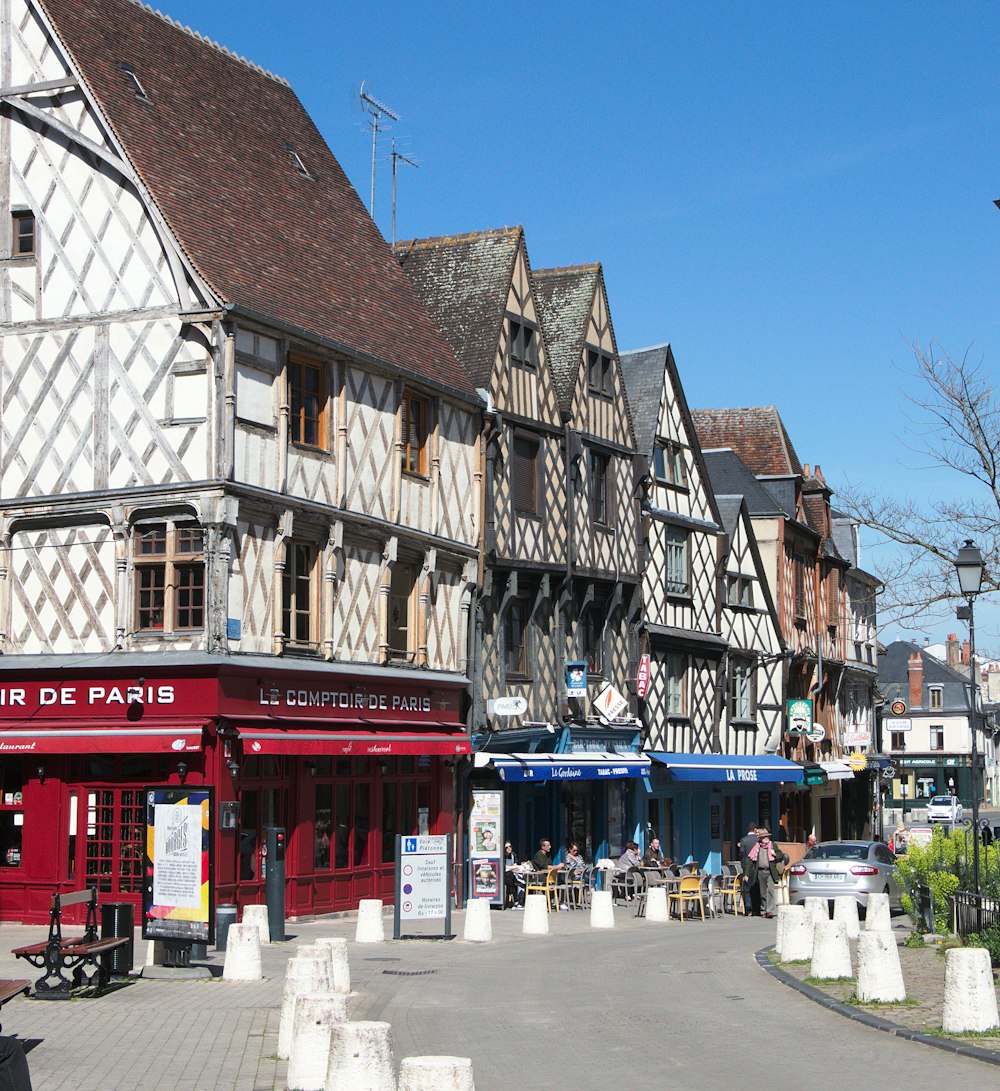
{"points": [[9, 988], [84, 957]]}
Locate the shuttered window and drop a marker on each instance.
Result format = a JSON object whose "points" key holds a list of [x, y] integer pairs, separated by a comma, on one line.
{"points": [[600, 373], [524, 475], [414, 432], [678, 577], [676, 685], [600, 497], [522, 345]]}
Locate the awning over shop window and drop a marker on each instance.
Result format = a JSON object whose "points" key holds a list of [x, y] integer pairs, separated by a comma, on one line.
{"points": [[94, 739], [564, 767], [837, 770], [280, 740], [731, 768], [878, 761]]}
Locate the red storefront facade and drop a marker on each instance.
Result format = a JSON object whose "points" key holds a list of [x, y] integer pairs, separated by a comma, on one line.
{"points": [[343, 760]]}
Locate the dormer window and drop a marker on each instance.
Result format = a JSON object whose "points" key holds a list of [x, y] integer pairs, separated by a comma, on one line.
{"points": [[522, 345], [600, 373]]}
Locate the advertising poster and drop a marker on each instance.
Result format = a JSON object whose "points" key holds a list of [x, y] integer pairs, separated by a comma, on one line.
{"points": [[486, 864], [177, 889]]}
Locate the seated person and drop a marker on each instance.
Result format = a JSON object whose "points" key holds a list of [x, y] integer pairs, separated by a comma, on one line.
{"points": [[653, 856], [572, 858], [542, 860], [630, 858]]}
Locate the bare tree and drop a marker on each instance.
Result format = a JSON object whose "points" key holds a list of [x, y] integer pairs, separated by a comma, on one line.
{"points": [[955, 423]]}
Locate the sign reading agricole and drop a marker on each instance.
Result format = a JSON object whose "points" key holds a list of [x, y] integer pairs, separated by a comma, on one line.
{"points": [[285, 697]]}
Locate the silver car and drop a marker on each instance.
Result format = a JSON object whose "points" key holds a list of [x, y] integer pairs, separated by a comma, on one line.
{"points": [[835, 868]]}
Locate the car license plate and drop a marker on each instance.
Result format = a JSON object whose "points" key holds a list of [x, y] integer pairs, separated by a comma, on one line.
{"points": [[834, 877]]}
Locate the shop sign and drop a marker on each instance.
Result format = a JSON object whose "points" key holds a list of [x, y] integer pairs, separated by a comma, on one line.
{"points": [[816, 733], [576, 678], [858, 761], [897, 725], [799, 712], [898, 707], [610, 703], [642, 677], [857, 738], [177, 897], [423, 865], [507, 706]]}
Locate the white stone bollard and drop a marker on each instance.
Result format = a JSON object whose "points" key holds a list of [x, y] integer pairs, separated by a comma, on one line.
{"points": [[779, 931], [656, 904], [242, 954], [370, 927], [845, 908], [535, 921], [303, 976], [257, 914], [880, 975], [877, 916], [797, 934], [478, 924], [309, 950], [340, 969], [436, 1074], [602, 910], [361, 1057], [831, 957], [819, 908], [970, 998], [309, 1054]]}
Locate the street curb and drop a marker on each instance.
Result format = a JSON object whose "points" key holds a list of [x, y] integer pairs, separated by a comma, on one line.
{"points": [[876, 1022]]}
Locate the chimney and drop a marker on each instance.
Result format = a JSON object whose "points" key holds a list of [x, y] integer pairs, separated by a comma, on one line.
{"points": [[951, 652], [965, 653], [915, 667]]}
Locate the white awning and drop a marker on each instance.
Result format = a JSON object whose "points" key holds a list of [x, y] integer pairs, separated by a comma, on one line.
{"points": [[837, 770]]}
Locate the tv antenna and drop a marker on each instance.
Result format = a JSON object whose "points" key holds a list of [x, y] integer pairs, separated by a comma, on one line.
{"points": [[397, 157], [378, 110]]}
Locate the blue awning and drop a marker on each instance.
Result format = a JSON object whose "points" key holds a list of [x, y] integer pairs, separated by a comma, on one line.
{"points": [[730, 768], [583, 766]]}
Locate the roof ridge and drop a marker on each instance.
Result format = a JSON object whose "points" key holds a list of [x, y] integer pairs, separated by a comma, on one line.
{"points": [[210, 42], [566, 270], [663, 346], [440, 240]]}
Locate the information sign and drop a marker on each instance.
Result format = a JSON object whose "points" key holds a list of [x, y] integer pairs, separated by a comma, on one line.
{"points": [[423, 867]]}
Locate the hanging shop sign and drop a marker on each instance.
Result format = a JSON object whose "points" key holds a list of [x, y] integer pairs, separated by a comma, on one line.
{"points": [[642, 677], [576, 678], [858, 761], [898, 707], [816, 733], [610, 703], [178, 894], [799, 713]]}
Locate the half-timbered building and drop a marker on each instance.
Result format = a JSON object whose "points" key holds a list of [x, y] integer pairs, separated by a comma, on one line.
{"points": [[239, 476]]}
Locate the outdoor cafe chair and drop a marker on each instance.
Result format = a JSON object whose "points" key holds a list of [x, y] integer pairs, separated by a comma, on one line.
{"points": [[569, 888], [732, 889], [540, 883], [688, 892]]}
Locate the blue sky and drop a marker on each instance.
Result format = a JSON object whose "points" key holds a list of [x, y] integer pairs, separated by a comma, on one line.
{"points": [[791, 194]]}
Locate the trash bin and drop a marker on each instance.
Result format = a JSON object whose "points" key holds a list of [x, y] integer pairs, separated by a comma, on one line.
{"points": [[118, 921], [225, 915]]}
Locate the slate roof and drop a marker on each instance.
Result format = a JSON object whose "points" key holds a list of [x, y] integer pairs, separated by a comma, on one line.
{"points": [[566, 298], [644, 373], [729, 512], [464, 280], [211, 146], [758, 436], [893, 670], [730, 476]]}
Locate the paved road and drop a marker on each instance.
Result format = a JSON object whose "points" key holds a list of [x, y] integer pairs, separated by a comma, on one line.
{"points": [[645, 1004]]}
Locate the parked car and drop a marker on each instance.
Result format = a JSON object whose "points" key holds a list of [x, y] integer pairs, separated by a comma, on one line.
{"points": [[944, 809], [834, 868]]}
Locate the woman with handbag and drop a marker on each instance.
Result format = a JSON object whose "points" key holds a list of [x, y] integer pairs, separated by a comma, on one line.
{"points": [[765, 864]]}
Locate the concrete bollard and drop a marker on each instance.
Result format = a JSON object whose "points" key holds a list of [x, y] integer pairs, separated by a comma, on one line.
{"points": [[257, 914], [656, 903], [303, 976], [436, 1074], [309, 1054], [819, 908], [831, 957], [340, 969], [877, 916], [478, 924], [970, 998], [535, 921], [242, 954], [845, 908], [602, 910], [779, 930], [370, 927], [880, 975], [797, 934], [361, 1057]]}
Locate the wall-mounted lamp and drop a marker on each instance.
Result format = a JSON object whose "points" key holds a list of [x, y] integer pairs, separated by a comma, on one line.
{"points": [[233, 767], [182, 771], [41, 773], [311, 768]]}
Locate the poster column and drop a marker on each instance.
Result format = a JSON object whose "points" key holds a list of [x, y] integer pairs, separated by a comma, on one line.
{"points": [[486, 862]]}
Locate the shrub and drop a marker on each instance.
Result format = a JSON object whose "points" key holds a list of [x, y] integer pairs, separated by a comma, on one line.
{"points": [[988, 938]]}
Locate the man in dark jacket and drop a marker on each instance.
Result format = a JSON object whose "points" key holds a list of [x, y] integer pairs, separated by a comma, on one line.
{"points": [[749, 893]]}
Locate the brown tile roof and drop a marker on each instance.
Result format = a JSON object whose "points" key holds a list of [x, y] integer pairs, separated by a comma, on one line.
{"points": [[211, 145], [463, 281], [566, 297], [758, 436]]}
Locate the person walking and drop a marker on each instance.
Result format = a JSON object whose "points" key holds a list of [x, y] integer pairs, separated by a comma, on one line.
{"points": [[746, 843], [765, 863]]}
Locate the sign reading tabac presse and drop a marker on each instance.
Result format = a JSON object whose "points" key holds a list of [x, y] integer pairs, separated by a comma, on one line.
{"points": [[423, 868]]}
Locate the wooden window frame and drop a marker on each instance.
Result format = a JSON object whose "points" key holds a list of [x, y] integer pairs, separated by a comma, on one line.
{"points": [[593, 643], [525, 476], [18, 220], [414, 413], [742, 688], [799, 585], [669, 467], [519, 667], [168, 558], [676, 539], [935, 698], [299, 582], [306, 407], [522, 343], [936, 735], [675, 693], [402, 595], [739, 590], [600, 373], [600, 481]]}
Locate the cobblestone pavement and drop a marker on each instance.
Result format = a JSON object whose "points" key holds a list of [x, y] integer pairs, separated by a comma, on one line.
{"points": [[663, 1004]]}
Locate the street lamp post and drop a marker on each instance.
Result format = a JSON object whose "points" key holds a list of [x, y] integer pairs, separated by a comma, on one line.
{"points": [[969, 565]]}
